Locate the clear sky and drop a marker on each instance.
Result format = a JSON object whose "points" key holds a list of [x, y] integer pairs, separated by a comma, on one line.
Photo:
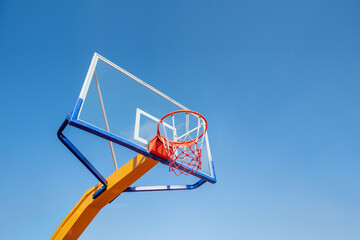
{"points": [[278, 82]]}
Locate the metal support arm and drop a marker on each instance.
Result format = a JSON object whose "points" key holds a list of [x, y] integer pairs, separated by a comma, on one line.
{"points": [[165, 187], [78, 154], [98, 176]]}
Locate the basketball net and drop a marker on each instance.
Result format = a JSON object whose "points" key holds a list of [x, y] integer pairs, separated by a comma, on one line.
{"points": [[184, 151]]}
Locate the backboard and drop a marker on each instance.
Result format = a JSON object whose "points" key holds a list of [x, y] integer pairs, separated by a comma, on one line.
{"points": [[116, 105]]}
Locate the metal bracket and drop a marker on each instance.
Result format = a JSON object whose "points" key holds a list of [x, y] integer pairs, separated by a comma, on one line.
{"points": [[78, 154], [98, 176], [165, 187]]}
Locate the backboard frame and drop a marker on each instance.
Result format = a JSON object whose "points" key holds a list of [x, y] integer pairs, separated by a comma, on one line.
{"points": [[75, 121]]}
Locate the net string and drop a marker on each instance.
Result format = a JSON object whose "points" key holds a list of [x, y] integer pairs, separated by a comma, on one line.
{"points": [[184, 152]]}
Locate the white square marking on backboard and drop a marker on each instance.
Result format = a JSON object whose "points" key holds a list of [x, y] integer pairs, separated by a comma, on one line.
{"points": [[140, 112]]}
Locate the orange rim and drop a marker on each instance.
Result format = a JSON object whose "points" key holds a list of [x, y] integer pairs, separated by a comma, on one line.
{"points": [[179, 111]]}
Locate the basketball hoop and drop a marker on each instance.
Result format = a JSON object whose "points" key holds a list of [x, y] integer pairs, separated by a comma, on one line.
{"points": [[183, 152]]}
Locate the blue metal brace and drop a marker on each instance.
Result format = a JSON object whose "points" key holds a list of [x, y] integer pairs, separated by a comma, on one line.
{"points": [[165, 187], [78, 154], [94, 171]]}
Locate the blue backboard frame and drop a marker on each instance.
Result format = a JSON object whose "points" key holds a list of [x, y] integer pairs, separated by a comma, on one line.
{"points": [[73, 120]]}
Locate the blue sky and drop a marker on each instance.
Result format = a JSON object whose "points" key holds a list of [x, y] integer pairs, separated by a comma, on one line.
{"points": [[278, 82]]}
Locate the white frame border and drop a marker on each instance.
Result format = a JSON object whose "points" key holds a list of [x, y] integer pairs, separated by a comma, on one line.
{"points": [[86, 85]]}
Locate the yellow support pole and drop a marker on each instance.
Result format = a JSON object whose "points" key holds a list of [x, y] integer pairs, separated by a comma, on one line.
{"points": [[87, 208]]}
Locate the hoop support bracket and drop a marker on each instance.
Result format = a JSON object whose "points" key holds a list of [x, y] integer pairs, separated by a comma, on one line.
{"points": [[78, 154], [100, 177], [165, 187]]}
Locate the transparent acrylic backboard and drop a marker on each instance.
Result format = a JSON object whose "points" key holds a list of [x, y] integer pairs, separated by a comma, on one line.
{"points": [[118, 102]]}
